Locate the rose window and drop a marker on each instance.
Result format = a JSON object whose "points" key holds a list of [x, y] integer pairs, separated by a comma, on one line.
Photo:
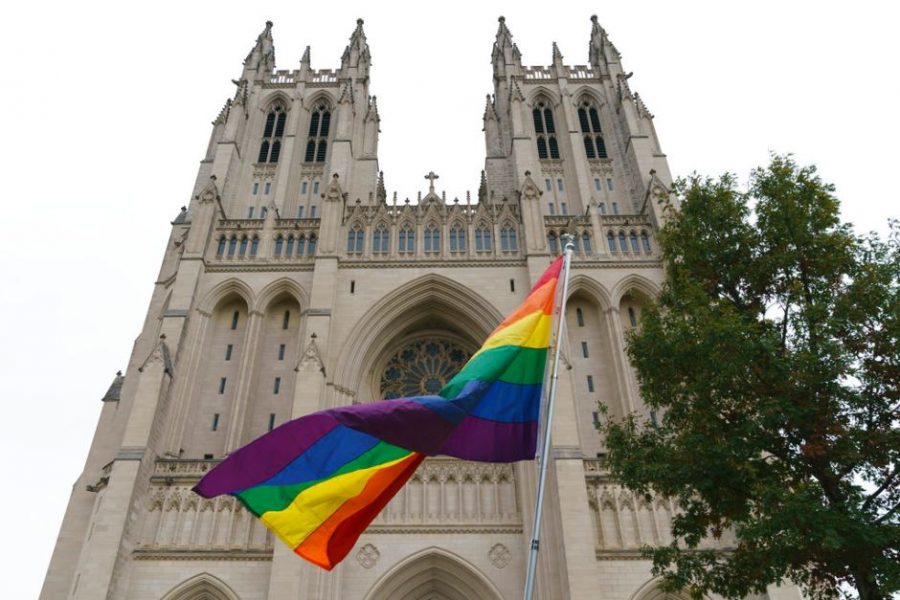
{"points": [[422, 368]]}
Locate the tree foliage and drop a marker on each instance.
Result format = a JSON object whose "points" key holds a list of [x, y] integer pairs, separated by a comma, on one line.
{"points": [[771, 357]]}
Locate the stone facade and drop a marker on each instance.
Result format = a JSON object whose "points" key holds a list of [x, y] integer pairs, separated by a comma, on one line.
{"points": [[293, 282]]}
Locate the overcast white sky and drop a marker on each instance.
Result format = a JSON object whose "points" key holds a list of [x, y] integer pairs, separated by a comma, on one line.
{"points": [[106, 109]]}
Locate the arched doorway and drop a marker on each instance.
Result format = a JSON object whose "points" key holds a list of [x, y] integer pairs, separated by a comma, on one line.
{"points": [[434, 574]]}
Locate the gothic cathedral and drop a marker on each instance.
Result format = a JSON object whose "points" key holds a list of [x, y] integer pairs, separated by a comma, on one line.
{"points": [[293, 282]]}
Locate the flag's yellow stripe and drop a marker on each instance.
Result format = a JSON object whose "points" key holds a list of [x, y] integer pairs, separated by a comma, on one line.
{"points": [[530, 331], [314, 505]]}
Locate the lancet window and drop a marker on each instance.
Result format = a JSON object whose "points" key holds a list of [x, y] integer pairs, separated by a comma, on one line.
{"points": [[381, 240], [355, 239], [545, 130], [432, 239], [317, 141], [508, 241], [270, 147], [457, 239], [645, 241], [589, 120], [407, 240], [482, 238]]}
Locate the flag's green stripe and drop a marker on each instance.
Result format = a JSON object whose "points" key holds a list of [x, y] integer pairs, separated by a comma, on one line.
{"points": [[261, 499], [510, 364]]}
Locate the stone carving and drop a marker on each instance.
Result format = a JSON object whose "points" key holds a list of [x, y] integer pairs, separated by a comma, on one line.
{"points": [[367, 556], [311, 357], [499, 555]]}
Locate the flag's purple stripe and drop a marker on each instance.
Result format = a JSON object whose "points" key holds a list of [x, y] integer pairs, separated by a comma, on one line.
{"points": [[480, 439], [332, 451], [266, 456], [450, 411], [403, 422]]}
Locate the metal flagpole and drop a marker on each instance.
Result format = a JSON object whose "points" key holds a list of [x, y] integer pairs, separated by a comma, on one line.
{"points": [[569, 247]]}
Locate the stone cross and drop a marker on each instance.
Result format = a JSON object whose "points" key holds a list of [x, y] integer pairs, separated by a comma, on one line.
{"points": [[431, 177]]}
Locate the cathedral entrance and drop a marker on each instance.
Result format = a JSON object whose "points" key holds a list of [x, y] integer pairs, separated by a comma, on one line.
{"points": [[434, 574]]}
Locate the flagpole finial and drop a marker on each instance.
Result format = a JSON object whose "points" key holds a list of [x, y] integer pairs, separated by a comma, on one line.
{"points": [[568, 241]]}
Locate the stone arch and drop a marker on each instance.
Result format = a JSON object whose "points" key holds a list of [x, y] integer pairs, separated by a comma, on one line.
{"points": [[319, 97], [434, 573], [542, 93], [221, 291], [580, 283], [429, 302], [274, 99], [652, 590], [202, 587], [634, 282], [584, 92], [278, 288]]}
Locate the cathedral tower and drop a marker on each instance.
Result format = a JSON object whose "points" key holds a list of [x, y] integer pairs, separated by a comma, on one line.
{"points": [[292, 283]]}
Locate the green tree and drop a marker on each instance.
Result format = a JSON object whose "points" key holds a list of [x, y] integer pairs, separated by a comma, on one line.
{"points": [[771, 357]]}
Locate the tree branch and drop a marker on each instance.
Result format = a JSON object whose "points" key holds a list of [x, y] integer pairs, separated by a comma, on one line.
{"points": [[885, 484]]}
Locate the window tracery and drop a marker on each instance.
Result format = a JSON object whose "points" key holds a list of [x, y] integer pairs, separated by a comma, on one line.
{"points": [[545, 130], [317, 140], [589, 120], [270, 147], [422, 367]]}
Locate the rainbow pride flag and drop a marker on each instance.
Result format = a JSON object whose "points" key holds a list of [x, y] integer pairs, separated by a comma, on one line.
{"points": [[319, 480]]}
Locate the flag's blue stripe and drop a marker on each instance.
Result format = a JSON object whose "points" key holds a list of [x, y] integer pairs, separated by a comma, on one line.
{"points": [[332, 451]]}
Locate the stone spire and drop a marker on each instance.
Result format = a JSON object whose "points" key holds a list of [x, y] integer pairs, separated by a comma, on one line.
{"points": [[490, 114], [506, 54], [305, 62], [557, 55], [601, 50], [558, 65], [356, 54], [261, 59]]}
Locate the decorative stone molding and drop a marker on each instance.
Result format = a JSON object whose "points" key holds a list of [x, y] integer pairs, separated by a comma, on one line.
{"points": [[367, 556], [499, 555]]}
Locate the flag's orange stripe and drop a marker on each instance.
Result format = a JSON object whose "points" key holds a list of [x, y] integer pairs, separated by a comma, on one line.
{"points": [[335, 537], [540, 299]]}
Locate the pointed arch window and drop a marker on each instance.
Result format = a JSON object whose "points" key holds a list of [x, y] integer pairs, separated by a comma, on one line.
{"points": [[554, 244], [289, 249], [279, 245], [589, 120], [645, 241], [381, 240], [355, 239], [545, 130], [232, 246], [432, 239], [270, 147], [243, 251], [634, 243], [317, 142], [301, 245], [407, 240], [586, 243], [311, 248], [611, 241], [508, 241], [622, 245], [254, 246], [482, 238], [457, 239], [220, 249]]}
